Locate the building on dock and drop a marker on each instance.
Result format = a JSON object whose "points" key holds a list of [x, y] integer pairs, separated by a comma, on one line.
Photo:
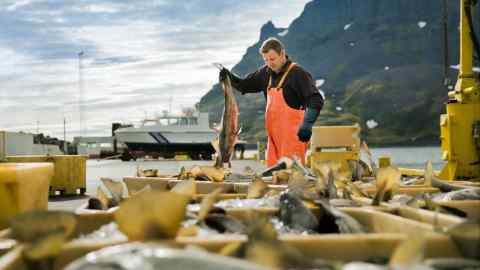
{"points": [[21, 144]]}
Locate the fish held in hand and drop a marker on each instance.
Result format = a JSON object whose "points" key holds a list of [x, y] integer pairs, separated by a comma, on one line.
{"points": [[227, 137]]}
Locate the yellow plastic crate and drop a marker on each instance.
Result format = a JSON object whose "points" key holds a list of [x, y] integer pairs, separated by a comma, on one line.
{"points": [[23, 187], [69, 175]]}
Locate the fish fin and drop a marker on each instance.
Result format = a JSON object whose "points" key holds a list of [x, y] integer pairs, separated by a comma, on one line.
{"points": [[152, 214], [259, 227], [218, 164], [114, 187], [102, 198], [409, 252], [216, 145], [257, 188], [379, 194], [367, 152], [208, 203], [389, 179], [332, 189], [47, 246], [187, 187], [428, 174], [429, 202]]}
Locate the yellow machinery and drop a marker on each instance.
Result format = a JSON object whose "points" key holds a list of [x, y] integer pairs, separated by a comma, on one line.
{"points": [[460, 126], [337, 143]]}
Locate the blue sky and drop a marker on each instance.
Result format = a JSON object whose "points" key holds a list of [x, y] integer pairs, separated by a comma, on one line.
{"points": [[139, 55]]}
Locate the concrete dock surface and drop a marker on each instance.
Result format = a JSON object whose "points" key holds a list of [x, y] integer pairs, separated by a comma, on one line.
{"points": [[117, 169]]}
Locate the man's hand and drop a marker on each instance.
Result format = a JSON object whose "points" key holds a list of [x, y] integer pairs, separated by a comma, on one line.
{"points": [[223, 74], [305, 131]]}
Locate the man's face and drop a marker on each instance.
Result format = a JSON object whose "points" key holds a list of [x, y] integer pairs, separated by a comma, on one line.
{"points": [[274, 60]]}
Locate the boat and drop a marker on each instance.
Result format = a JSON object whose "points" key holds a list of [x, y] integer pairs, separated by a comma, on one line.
{"points": [[168, 135]]}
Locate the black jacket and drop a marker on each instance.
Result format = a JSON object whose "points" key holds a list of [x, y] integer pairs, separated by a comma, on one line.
{"points": [[299, 89]]}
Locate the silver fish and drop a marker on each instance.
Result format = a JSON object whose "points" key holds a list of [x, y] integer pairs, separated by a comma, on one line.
{"points": [[452, 263], [295, 215], [154, 256], [467, 237], [434, 181], [230, 129], [344, 222], [224, 224], [459, 195]]}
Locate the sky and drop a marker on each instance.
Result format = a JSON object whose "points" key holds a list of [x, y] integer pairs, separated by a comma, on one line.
{"points": [[140, 57]]}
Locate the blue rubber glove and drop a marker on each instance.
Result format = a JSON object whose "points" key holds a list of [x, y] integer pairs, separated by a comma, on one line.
{"points": [[224, 73], [305, 131]]}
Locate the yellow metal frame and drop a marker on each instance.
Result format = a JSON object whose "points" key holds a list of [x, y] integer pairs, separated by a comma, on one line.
{"points": [[331, 138], [463, 111]]}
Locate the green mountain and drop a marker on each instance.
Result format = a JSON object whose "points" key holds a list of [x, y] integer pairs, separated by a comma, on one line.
{"points": [[381, 62]]}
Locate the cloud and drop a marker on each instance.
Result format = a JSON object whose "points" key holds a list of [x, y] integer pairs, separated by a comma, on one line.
{"points": [[18, 4], [140, 56], [102, 8]]}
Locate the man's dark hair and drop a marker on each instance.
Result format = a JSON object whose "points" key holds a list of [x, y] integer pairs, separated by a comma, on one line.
{"points": [[272, 44]]}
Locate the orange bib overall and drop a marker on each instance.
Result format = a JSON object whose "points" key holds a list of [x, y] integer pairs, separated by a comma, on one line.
{"points": [[282, 124]]}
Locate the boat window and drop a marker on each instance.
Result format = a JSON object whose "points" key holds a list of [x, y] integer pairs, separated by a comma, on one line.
{"points": [[92, 145], [164, 122], [149, 123]]}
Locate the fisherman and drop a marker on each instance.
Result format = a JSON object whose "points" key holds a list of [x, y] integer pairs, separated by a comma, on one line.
{"points": [[293, 101]]}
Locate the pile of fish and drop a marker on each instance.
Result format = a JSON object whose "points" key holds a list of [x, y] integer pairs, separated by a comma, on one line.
{"points": [[311, 202], [389, 181], [309, 205], [197, 172]]}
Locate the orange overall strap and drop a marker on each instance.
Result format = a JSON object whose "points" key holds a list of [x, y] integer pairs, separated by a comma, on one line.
{"points": [[282, 79]]}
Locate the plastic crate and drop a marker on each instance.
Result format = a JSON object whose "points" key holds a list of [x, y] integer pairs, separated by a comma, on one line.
{"points": [[23, 187], [69, 174]]}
